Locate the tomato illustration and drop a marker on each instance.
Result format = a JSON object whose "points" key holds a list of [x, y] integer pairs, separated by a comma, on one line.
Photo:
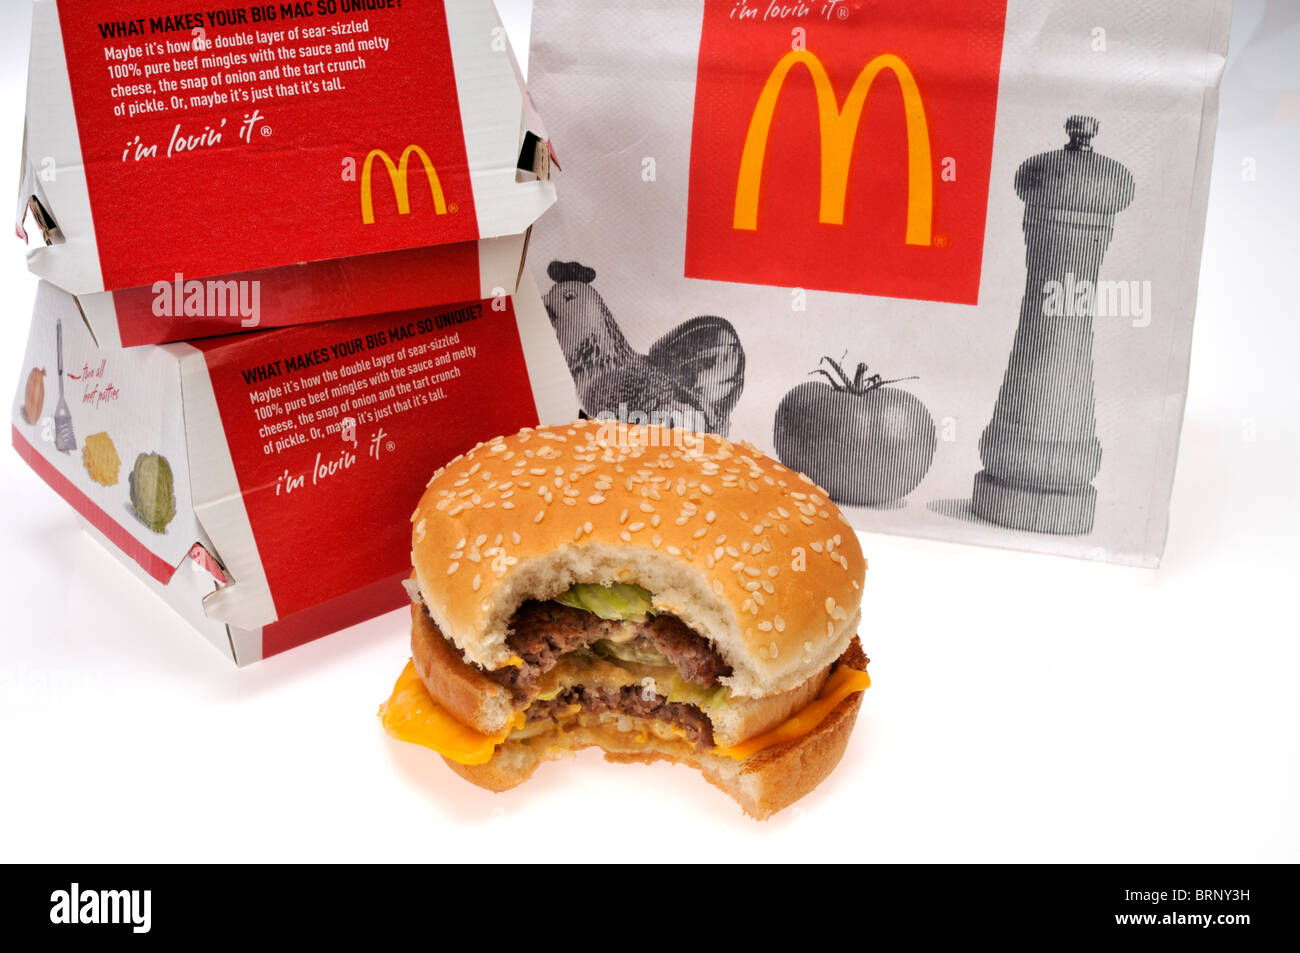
{"points": [[861, 439]]}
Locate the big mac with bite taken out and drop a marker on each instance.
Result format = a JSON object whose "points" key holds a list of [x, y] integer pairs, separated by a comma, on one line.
{"points": [[658, 594]]}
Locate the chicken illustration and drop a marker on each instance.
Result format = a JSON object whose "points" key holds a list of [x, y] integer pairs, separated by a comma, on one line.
{"points": [[691, 377]]}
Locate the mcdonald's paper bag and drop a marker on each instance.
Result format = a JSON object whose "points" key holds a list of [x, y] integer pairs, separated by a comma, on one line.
{"points": [[940, 257]]}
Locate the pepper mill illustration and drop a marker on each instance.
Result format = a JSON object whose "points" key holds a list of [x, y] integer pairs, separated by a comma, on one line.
{"points": [[1040, 451]]}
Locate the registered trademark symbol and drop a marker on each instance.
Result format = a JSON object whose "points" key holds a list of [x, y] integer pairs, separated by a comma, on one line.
{"points": [[266, 132], [942, 240], [453, 208], [390, 446], [842, 13]]}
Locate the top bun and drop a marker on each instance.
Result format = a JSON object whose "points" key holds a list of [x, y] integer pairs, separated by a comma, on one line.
{"points": [[750, 554]]}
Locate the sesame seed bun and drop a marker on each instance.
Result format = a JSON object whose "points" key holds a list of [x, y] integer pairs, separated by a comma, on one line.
{"points": [[750, 554]]}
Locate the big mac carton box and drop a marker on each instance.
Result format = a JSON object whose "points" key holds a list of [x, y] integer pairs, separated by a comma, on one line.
{"points": [[263, 483], [203, 171]]}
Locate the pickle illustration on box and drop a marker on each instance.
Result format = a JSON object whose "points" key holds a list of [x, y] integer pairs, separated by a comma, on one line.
{"points": [[153, 491], [690, 378], [1040, 451]]}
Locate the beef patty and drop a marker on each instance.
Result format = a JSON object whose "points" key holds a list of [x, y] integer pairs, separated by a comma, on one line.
{"points": [[629, 700], [541, 632]]}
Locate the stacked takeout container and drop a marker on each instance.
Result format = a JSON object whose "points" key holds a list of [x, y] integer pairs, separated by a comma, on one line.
{"points": [[282, 282]]}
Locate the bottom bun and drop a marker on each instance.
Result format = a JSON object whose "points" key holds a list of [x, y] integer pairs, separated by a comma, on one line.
{"points": [[762, 784]]}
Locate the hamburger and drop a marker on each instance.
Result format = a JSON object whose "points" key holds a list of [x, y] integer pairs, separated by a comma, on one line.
{"points": [[661, 595]]}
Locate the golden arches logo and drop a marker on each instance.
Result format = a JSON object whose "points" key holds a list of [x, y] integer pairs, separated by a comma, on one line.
{"points": [[398, 174], [839, 131]]}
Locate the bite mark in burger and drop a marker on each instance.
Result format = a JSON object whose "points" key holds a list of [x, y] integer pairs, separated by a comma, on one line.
{"points": [[596, 585]]}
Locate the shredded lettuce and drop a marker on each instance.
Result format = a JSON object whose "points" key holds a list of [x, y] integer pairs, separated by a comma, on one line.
{"points": [[618, 602]]}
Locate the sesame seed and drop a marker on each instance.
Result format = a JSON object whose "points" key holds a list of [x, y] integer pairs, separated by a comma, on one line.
{"points": [[769, 588], [779, 622], [752, 571], [765, 626], [595, 499], [587, 527], [674, 551], [751, 586], [473, 556], [622, 517], [480, 540], [830, 630], [515, 538], [541, 514], [717, 587], [507, 505], [830, 605], [478, 581], [452, 568], [815, 547], [625, 536], [656, 539], [773, 650]]}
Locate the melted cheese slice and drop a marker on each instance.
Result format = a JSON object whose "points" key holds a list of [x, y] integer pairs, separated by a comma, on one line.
{"points": [[844, 681], [412, 715]]}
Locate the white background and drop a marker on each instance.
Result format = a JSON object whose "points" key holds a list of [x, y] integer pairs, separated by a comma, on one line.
{"points": [[1159, 722]]}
